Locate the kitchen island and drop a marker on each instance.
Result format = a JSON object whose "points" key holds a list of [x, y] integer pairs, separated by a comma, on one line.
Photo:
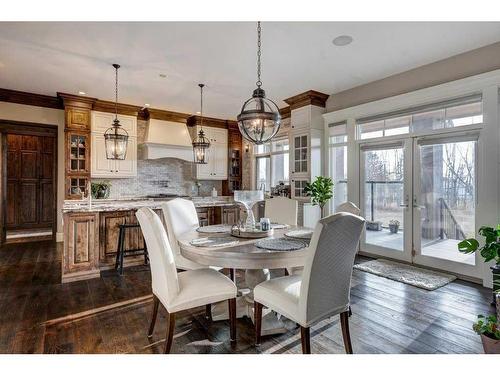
{"points": [[91, 230]]}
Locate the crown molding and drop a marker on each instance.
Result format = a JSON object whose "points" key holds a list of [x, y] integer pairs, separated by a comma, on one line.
{"points": [[285, 112], [71, 100], [310, 97], [160, 114], [209, 121], [123, 109], [28, 98]]}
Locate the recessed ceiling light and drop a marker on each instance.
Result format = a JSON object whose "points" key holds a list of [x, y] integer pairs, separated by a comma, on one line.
{"points": [[82, 93], [162, 75], [147, 105], [342, 40]]}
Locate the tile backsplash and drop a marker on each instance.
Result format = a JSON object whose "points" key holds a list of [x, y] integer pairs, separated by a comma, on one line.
{"points": [[161, 176]]}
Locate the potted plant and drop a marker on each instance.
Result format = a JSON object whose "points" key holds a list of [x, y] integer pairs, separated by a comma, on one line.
{"points": [[320, 191], [100, 190], [394, 226], [490, 251], [489, 329]]}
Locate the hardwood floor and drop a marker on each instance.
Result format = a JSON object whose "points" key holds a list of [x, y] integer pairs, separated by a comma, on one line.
{"points": [[111, 314]]}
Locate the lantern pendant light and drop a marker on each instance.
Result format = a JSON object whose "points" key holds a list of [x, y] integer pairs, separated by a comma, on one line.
{"points": [[260, 119], [201, 144], [115, 137]]}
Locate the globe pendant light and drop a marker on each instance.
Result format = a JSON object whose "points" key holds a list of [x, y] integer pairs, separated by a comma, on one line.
{"points": [[201, 144], [115, 137], [260, 119]]}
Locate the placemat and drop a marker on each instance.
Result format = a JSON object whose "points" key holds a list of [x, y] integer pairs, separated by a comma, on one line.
{"points": [[213, 241], [219, 228], [280, 244], [303, 234]]}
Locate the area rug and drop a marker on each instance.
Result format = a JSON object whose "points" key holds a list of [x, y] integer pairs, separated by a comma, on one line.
{"points": [[404, 273]]}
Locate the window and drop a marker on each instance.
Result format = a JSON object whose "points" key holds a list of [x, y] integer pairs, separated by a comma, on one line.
{"points": [[271, 160], [449, 114], [338, 162]]}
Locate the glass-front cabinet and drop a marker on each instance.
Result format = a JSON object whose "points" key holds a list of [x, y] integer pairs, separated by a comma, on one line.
{"points": [[77, 144], [300, 154]]}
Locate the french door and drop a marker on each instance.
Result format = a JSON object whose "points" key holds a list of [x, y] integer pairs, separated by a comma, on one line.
{"points": [[418, 196]]}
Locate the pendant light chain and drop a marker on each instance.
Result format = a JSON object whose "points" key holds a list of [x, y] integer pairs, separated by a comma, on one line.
{"points": [[201, 104], [259, 31], [116, 91]]}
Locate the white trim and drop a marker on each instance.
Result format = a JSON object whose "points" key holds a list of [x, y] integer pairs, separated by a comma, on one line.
{"points": [[428, 95], [488, 160]]}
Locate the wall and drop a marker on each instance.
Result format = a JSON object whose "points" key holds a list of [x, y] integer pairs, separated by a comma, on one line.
{"points": [[160, 176], [467, 64], [28, 113]]}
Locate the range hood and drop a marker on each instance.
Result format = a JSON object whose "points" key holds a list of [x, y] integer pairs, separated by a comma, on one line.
{"points": [[166, 139]]}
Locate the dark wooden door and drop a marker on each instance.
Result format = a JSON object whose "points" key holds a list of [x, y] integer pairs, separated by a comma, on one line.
{"points": [[30, 181]]}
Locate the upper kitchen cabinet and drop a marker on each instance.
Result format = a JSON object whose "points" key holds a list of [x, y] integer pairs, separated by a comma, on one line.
{"points": [[306, 140], [216, 168], [101, 167]]}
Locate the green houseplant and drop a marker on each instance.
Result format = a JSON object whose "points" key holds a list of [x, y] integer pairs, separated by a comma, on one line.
{"points": [[489, 329], [100, 190], [489, 251], [320, 191]]}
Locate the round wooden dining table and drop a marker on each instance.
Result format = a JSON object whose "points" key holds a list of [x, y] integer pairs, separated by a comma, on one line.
{"points": [[246, 256]]}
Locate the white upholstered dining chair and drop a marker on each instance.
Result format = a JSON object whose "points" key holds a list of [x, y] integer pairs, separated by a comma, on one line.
{"points": [[281, 210], [348, 207], [180, 291], [323, 288], [180, 217]]}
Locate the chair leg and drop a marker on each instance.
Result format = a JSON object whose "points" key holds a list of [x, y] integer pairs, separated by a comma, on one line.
{"points": [[232, 318], [257, 321], [170, 331], [344, 322], [156, 302], [208, 312], [305, 338]]}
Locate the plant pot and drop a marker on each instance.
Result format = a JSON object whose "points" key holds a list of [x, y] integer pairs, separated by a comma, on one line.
{"points": [[490, 346], [393, 228], [374, 225], [101, 193]]}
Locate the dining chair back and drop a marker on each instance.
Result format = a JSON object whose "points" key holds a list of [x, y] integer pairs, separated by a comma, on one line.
{"points": [[281, 210], [326, 278], [348, 207], [164, 279], [180, 217]]}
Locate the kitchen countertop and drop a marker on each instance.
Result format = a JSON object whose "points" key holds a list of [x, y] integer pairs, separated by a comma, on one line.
{"points": [[106, 205]]}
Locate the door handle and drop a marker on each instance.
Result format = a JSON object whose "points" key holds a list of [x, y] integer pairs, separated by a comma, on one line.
{"points": [[415, 204]]}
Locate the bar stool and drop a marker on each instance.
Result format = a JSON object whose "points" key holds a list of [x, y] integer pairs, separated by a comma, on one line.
{"points": [[122, 253]]}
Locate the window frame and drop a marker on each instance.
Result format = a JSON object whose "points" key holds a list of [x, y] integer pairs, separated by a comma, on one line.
{"points": [[269, 154]]}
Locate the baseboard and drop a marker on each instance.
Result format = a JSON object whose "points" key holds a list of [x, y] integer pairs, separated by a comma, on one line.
{"points": [[59, 237]]}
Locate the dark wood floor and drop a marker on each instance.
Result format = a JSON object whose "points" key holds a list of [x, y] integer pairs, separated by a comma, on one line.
{"points": [[38, 314]]}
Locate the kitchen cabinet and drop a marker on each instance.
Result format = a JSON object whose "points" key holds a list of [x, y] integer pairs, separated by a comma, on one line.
{"points": [[81, 244], [306, 143], [216, 168], [101, 167], [230, 215], [77, 119], [109, 231]]}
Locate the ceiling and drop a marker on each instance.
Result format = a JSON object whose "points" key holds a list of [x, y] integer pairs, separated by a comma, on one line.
{"points": [[297, 56]]}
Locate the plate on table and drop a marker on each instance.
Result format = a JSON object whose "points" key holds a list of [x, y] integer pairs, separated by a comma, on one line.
{"points": [[218, 228], [213, 241], [280, 244], [300, 234]]}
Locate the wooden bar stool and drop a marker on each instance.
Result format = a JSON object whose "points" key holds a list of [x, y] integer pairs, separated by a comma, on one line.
{"points": [[122, 253]]}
